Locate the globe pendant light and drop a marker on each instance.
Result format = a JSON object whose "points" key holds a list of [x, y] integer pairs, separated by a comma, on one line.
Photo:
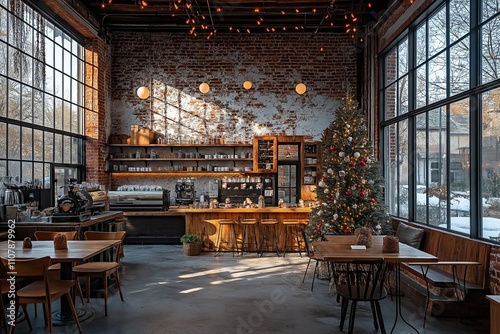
{"points": [[300, 88], [143, 92], [204, 88]]}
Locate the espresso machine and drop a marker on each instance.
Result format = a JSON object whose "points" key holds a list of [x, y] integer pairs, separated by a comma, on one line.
{"points": [[184, 192]]}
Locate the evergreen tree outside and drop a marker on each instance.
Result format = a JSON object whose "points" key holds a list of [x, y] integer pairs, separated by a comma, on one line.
{"points": [[350, 192]]}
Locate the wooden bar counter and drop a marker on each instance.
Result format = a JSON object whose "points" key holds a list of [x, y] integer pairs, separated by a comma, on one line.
{"points": [[204, 222]]}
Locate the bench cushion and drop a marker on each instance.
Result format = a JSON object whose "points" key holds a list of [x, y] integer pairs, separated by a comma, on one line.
{"points": [[409, 235]]}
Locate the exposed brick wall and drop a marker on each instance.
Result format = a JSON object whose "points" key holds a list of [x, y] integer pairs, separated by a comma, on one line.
{"points": [[275, 63], [97, 122]]}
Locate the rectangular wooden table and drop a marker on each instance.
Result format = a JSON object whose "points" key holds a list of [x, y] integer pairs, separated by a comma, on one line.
{"points": [[78, 251], [338, 249]]}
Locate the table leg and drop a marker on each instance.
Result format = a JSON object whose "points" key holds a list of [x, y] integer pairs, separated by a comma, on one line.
{"points": [[398, 301], [64, 316]]}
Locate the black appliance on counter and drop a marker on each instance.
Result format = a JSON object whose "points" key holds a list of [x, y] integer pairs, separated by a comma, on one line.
{"points": [[73, 206], [156, 200], [184, 192]]}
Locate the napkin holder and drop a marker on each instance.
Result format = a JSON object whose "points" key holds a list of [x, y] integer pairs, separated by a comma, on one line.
{"points": [[27, 243], [390, 244], [60, 242]]}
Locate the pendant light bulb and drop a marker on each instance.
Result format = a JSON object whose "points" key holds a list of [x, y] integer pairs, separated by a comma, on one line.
{"points": [[247, 84], [143, 92], [204, 88], [300, 88]]}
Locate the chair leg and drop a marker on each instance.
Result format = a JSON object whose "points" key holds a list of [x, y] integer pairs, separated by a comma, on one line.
{"points": [[80, 293], [343, 312], [119, 286], [25, 310], [73, 310], [352, 315], [304, 278], [374, 314], [48, 310], [105, 281], [217, 242], [380, 317], [314, 275], [87, 287]]}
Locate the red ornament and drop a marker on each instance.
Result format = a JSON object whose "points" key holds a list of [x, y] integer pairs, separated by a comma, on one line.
{"points": [[362, 194], [332, 199], [351, 163], [346, 231], [333, 148], [373, 200], [362, 163], [348, 193]]}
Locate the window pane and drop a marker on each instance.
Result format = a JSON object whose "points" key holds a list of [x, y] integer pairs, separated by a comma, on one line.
{"points": [[459, 19], [75, 157], [421, 168], [38, 145], [437, 158], [3, 97], [27, 140], [14, 91], [3, 141], [58, 148], [437, 32], [402, 146], [14, 144], [48, 146], [490, 171], [490, 8], [67, 149], [27, 107], [37, 107], [27, 171], [459, 177], [403, 58], [403, 95], [421, 86], [421, 49], [390, 101], [49, 110], [437, 78], [459, 67], [395, 196], [391, 67], [490, 51], [3, 53]]}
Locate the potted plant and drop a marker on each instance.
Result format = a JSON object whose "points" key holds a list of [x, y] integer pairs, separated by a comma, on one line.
{"points": [[191, 244]]}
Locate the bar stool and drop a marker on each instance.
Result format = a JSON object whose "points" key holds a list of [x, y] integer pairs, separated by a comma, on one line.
{"points": [[226, 223], [296, 226], [248, 224], [266, 224]]}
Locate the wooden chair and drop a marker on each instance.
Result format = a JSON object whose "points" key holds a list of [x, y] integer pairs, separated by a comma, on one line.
{"points": [[102, 270], [312, 256], [360, 280], [50, 235], [42, 290]]}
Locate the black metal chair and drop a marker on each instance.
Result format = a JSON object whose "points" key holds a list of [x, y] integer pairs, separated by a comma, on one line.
{"points": [[312, 256], [360, 280]]}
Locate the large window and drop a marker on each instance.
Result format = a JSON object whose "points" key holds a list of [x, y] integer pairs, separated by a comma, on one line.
{"points": [[441, 103], [41, 96]]}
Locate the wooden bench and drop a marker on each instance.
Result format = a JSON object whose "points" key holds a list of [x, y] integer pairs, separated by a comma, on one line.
{"points": [[456, 255]]}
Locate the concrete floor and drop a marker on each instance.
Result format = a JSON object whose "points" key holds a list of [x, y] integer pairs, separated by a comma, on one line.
{"points": [[168, 292]]}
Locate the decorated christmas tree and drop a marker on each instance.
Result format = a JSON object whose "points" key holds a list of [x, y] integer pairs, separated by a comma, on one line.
{"points": [[350, 191]]}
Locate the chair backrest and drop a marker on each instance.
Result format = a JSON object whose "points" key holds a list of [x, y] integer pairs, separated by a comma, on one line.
{"points": [[50, 235], [31, 268], [95, 235], [360, 279], [309, 247]]}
